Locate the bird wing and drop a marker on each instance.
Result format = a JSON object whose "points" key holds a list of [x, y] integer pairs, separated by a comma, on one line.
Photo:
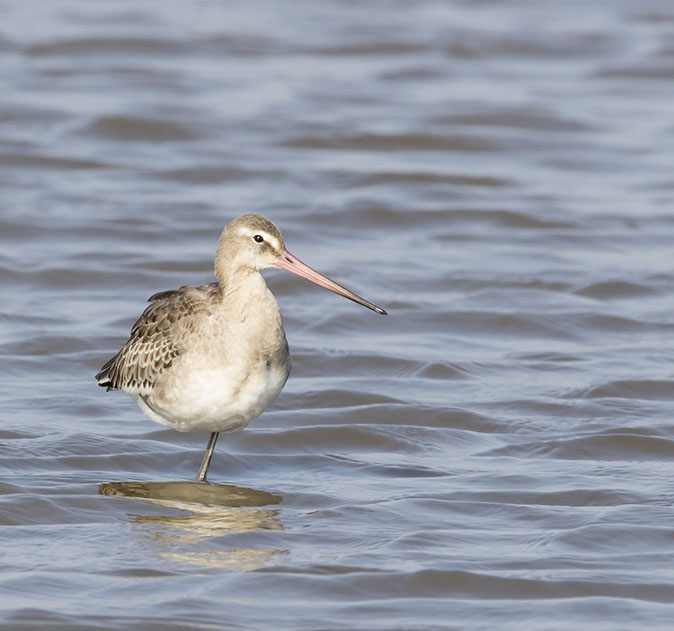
{"points": [[155, 338]]}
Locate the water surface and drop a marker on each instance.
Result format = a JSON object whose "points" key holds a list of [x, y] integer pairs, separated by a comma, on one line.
{"points": [[497, 452]]}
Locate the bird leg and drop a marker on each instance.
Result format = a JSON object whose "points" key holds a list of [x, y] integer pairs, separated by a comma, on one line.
{"points": [[208, 454]]}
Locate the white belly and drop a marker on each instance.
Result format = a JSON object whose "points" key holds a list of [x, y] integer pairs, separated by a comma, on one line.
{"points": [[214, 399]]}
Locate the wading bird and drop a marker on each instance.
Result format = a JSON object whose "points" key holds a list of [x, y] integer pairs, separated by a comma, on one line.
{"points": [[212, 358]]}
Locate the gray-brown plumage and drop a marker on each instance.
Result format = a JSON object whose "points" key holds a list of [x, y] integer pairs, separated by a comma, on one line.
{"points": [[156, 337]]}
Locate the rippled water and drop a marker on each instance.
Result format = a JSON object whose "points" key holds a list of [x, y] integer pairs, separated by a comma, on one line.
{"points": [[497, 453]]}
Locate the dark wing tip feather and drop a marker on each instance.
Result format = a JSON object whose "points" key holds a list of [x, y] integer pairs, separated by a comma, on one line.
{"points": [[103, 377]]}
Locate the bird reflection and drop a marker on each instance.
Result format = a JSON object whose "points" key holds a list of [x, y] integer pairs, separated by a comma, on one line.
{"points": [[209, 511], [195, 492]]}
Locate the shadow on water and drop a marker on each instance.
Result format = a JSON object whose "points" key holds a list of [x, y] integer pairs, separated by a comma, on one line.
{"points": [[209, 513]]}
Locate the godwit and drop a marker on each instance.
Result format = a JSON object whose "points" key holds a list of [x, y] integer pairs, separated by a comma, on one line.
{"points": [[213, 357]]}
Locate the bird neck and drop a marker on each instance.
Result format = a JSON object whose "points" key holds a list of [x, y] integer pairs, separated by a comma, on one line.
{"points": [[245, 301], [244, 282]]}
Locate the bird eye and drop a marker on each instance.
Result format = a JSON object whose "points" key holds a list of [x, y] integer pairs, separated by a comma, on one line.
{"points": [[258, 238]]}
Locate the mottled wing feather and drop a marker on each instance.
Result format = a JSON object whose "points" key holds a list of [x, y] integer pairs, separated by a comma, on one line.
{"points": [[155, 338]]}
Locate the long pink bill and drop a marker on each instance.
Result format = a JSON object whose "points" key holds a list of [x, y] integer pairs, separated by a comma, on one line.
{"points": [[292, 264]]}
